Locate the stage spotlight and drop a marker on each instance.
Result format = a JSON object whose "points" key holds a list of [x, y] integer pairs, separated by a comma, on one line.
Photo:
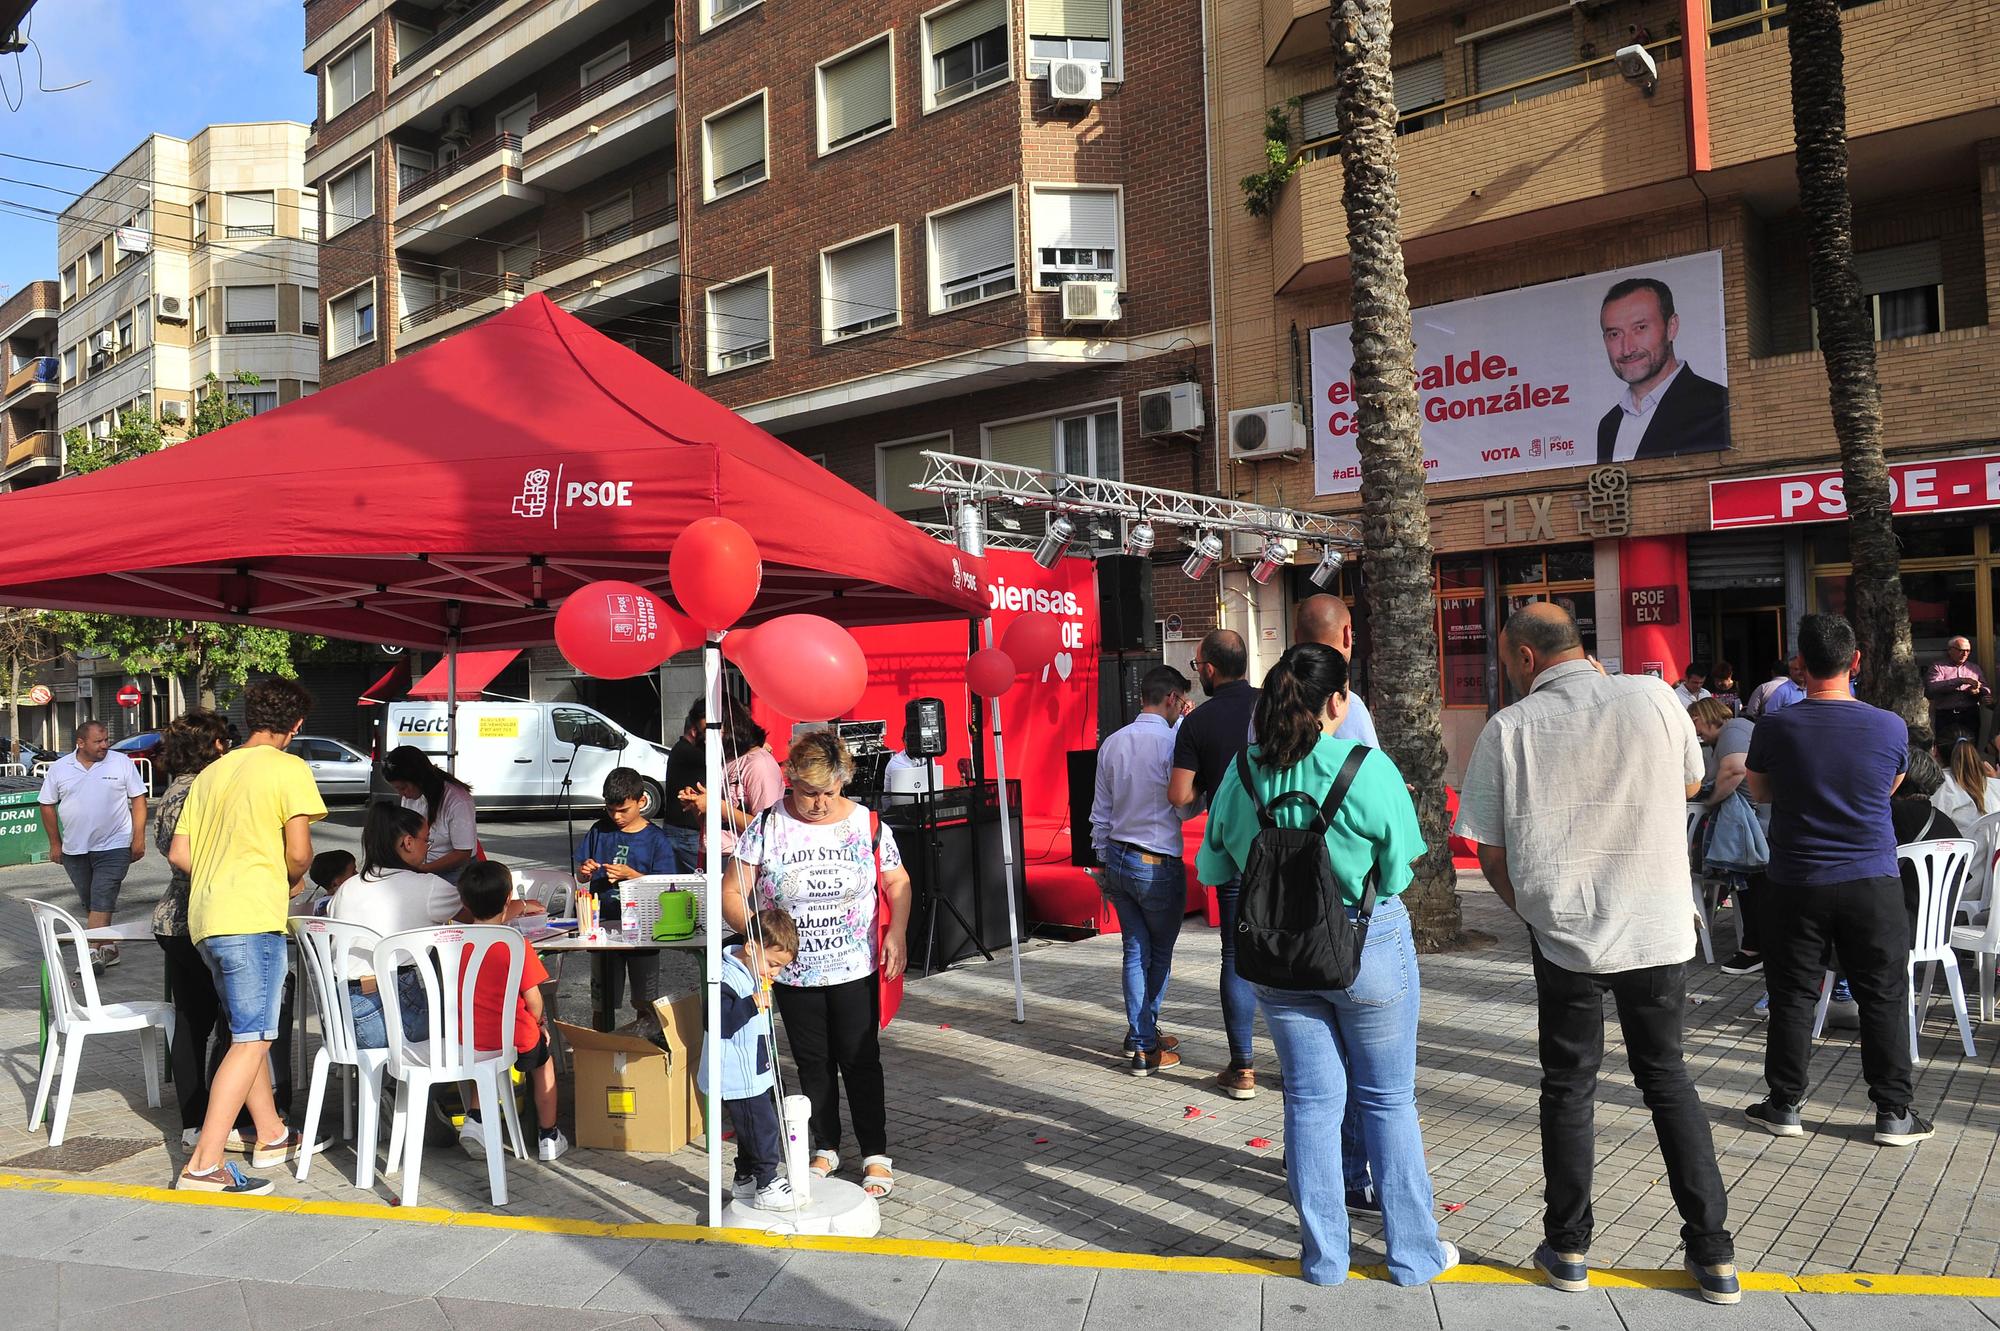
{"points": [[1054, 541], [972, 528], [1330, 560], [1276, 555], [1139, 540], [1201, 559]]}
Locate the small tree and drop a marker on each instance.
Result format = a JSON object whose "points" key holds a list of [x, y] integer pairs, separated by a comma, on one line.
{"points": [[25, 642]]}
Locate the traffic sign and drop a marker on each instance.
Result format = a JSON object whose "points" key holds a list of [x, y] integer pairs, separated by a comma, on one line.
{"points": [[41, 695], [129, 696]]}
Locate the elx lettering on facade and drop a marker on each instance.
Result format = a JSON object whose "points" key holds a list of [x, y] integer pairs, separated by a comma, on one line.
{"points": [[1652, 605]]}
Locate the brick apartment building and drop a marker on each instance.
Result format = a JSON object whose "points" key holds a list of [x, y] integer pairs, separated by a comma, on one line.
{"points": [[191, 257], [33, 449], [1528, 158]]}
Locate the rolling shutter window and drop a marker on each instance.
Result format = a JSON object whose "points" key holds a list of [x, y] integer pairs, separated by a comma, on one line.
{"points": [[857, 92], [1316, 117], [1074, 219], [1899, 268], [353, 321], [414, 293], [249, 214], [861, 286], [1023, 443], [978, 238], [247, 307], [903, 466], [736, 141], [522, 256], [1419, 84], [350, 78], [1736, 559], [1522, 54], [969, 20], [740, 319], [1089, 19], [607, 217], [350, 197]]}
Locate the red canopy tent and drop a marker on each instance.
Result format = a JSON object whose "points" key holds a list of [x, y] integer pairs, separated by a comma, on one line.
{"points": [[472, 485]]}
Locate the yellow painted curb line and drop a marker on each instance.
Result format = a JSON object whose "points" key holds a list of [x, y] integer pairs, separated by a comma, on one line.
{"points": [[1971, 1287]]}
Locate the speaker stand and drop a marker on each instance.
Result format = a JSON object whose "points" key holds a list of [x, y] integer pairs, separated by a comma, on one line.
{"points": [[934, 880]]}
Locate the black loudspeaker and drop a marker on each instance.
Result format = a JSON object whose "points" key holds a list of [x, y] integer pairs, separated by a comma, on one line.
{"points": [[923, 728], [965, 822], [1125, 602], [1082, 790]]}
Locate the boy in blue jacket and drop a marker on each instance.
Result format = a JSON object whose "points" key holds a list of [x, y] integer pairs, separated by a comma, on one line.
{"points": [[746, 975]]}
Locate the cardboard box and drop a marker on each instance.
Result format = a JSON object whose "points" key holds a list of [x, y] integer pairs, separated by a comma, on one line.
{"points": [[632, 1095]]}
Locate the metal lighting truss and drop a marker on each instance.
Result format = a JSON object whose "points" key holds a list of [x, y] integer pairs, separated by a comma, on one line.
{"points": [[964, 480]]}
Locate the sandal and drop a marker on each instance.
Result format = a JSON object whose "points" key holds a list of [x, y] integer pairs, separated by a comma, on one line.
{"points": [[879, 1185], [832, 1159]]}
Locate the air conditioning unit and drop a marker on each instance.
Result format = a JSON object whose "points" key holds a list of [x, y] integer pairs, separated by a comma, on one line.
{"points": [[1258, 434], [171, 309], [1175, 409], [173, 410], [1089, 302], [1076, 80], [106, 341]]}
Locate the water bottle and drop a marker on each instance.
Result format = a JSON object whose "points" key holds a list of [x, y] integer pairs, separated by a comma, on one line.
{"points": [[628, 911]]}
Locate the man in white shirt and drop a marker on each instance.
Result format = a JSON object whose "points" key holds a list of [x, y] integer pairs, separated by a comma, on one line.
{"points": [[1666, 407], [94, 811], [1690, 691]]}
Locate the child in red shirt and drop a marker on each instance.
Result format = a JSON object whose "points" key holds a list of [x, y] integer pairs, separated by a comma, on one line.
{"points": [[486, 888]]}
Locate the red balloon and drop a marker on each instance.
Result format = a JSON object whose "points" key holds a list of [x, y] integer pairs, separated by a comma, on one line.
{"points": [[990, 673], [716, 571], [1032, 640], [615, 630], [805, 666]]}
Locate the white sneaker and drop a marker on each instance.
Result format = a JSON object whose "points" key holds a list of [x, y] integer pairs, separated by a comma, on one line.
{"points": [[553, 1148], [743, 1187], [471, 1136], [778, 1196], [190, 1137], [1451, 1257]]}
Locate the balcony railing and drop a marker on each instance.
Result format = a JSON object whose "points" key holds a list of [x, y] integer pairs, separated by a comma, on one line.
{"points": [[1755, 16], [1437, 113], [471, 157], [251, 326], [590, 92], [513, 283], [42, 444], [604, 240], [38, 370], [446, 33]]}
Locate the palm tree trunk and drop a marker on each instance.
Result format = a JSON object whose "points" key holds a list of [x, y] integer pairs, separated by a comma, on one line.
{"points": [[1880, 611], [1396, 553]]}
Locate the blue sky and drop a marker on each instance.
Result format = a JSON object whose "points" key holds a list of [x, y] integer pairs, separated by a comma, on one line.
{"points": [[153, 66]]}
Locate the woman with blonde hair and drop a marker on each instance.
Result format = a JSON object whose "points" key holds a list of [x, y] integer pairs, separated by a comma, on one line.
{"points": [[830, 864], [1968, 793]]}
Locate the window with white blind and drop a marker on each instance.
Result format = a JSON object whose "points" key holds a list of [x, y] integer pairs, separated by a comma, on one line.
{"points": [[416, 292], [411, 38], [1087, 445], [198, 315], [350, 76], [857, 95], [198, 217], [352, 316], [858, 286], [309, 310], [739, 323], [973, 252], [1419, 85], [733, 144], [1903, 289], [1521, 55], [250, 309], [350, 196], [1075, 235], [1072, 30], [515, 119], [93, 265], [253, 214], [965, 50], [715, 11], [605, 65], [609, 221], [124, 334], [69, 365], [900, 465], [521, 256], [412, 165], [69, 284], [253, 401]]}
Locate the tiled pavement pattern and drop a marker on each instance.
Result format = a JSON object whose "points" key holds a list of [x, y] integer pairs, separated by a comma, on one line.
{"points": [[88, 1262], [1032, 1134]]}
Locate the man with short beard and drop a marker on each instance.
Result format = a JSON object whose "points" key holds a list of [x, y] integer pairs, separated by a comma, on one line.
{"points": [[1666, 408]]}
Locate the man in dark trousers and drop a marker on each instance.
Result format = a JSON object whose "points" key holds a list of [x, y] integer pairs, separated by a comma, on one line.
{"points": [[1666, 407], [685, 769], [1827, 767], [1210, 738]]}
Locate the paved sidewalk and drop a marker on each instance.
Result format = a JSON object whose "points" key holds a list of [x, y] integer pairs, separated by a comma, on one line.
{"points": [[85, 1262], [1032, 1135]]}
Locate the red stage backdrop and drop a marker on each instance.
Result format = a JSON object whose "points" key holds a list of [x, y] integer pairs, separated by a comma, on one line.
{"points": [[1046, 715]]}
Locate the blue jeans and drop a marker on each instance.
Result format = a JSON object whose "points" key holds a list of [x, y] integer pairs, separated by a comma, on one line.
{"points": [[687, 848], [249, 971], [1368, 1034], [1150, 900], [371, 1028], [1239, 996]]}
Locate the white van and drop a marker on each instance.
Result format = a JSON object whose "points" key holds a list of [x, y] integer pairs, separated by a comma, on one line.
{"points": [[515, 755]]}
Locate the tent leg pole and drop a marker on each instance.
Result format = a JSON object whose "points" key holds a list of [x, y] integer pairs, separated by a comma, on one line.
{"points": [[1007, 852], [451, 709], [711, 1048]]}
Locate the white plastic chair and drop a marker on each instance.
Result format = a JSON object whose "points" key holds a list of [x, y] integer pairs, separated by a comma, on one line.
{"points": [[1983, 942], [1702, 886], [449, 961], [75, 1017], [1975, 901], [327, 955], [1942, 870], [553, 889]]}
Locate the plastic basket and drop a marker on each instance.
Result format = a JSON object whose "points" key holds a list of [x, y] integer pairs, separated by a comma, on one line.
{"points": [[648, 887]]}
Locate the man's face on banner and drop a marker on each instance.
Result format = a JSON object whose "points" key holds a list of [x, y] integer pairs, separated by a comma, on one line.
{"points": [[1639, 342]]}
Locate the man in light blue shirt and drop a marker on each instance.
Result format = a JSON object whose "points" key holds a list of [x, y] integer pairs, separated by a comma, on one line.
{"points": [[1136, 833]]}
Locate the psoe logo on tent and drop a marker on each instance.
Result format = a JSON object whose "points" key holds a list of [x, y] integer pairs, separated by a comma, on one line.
{"points": [[542, 495]]}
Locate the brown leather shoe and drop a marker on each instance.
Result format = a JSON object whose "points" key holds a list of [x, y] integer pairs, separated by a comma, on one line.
{"points": [[1160, 1060], [1166, 1042], [1237, 1083]]}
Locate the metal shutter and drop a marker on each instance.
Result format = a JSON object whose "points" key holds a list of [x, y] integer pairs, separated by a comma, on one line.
{"points": [[350, 78], [1023, 443], [969, 20], [1899, 268], [248, 210], [607, 217], [251, 305], [976, 239], [344, 336], [740, 315], [857, 93], [1074, 219], [1070, 18], [1419, 83], [413, 293], [736, 140], [902, 467], [1736, 559], [1316, 117], [861, 282], [521, 257], [1523, 54], [349, 198]]}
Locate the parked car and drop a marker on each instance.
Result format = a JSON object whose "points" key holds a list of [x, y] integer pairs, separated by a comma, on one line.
{"points": [[341, 771], [145, 745], [517, 755], [29, 754]]}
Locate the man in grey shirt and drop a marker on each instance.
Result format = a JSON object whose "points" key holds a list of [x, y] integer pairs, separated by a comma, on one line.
{"points": [[1576, 796]]}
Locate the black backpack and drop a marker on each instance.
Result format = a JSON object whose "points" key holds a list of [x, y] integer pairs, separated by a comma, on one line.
{"points": [[1292, 930]]}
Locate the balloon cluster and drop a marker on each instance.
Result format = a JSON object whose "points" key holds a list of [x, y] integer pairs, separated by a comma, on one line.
{"points": [[1027, 646], [806, 666]]}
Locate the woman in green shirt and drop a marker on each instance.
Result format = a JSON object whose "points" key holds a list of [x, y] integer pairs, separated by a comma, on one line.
{"points": [[1366, 1033]]}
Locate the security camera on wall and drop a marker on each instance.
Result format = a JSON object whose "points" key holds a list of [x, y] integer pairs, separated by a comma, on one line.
{"points": [[1636, 64]]}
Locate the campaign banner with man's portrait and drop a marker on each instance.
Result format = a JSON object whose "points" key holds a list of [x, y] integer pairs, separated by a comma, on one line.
{"points": [[1591, 370]]}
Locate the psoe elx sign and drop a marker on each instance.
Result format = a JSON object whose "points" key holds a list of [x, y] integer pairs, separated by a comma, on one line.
{"points": [[1943, 485]]}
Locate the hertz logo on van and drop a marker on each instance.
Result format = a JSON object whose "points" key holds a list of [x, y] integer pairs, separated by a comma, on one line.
{"points": [[422, 725]]}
